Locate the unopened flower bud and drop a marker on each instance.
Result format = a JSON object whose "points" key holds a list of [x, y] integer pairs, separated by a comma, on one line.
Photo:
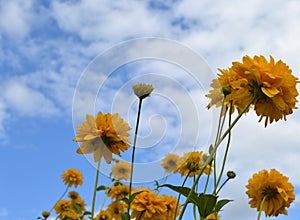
{"points": [[45, 214], [231, 174], [226, 90]]}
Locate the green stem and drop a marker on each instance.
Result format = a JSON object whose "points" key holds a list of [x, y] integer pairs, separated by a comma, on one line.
{"points": [[225, 155], [66, 190], [133, 149], [179, 195], [95, 190], [221, 186], [214, 151], [261, 207]]}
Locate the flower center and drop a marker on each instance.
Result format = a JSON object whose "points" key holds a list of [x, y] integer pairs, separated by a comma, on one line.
{"points": [[172, 163], [270, 193], [122, 170]]}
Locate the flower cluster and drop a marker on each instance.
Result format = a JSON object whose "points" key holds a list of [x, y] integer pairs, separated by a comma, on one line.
{"points": [[72, 208], [266, 86], [269, 84]]}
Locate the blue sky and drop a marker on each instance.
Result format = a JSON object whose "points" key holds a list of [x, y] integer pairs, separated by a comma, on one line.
{"points": [[46, 46]]}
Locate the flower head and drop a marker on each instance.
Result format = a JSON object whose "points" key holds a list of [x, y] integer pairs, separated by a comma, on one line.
{"points": [[170, 203], [118, 191], [191, 163], [121, 170], [169, 163], [142, 90], [270, 84], [148, 206], [272, 187], [103, 215], [116, 208], [72, 177], [102, 136]]}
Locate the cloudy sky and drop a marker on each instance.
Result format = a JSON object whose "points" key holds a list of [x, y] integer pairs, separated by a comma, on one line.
{"points": [[62, 59]]}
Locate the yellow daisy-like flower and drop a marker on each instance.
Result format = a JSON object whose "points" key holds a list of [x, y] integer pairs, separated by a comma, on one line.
{"points": [[270, 83], [191, 163], [148, 206], [121, 170], [119, 191], [102, 136], [72, 177], [142, 90], [170, 203], [73, 195], [103, 215], [115, 209], [274, 189], [169, 163]]}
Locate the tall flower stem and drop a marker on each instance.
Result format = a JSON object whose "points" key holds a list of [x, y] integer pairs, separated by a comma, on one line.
{"points": [[217, 144], [261, 207], [95, 189], [226, 152], [133, 148], [179, 195]]}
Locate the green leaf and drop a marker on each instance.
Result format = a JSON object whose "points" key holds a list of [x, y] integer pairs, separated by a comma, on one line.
{"points": [[206, 204], [184, 191], [99, 188], [87, 213], [221, 203], [125, 216], [128, 201]]}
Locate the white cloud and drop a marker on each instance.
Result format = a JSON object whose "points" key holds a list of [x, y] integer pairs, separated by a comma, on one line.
{"points": [[27, 101]]}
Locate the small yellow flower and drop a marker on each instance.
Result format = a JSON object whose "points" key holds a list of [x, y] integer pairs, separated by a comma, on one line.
{"points": [[169, 163], [73, 195], [191, 163], [102, 136], [45, 214], [119, 191], [275, 188], [103, 215], [170, 203], [115, 209], [142, 90], [121, 170], [148, 205], [212, 216], [72, 177]]}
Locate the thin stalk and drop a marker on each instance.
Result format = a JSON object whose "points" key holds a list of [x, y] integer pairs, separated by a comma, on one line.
{"points": [[95, 189], [179, 195], [226, 153], [261, 207], [214, 151], [133, 148], [64, 193]]}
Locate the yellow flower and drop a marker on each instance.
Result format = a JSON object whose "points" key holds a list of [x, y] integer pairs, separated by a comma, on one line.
{"points": [[115, 209], [191, 163], [142, 90], [102, 136], [212, 216], [276, 83], [72, 177], [45, 214], [148, 206], [270, 83], [121, 170], [170, 203], [103, 215], [73, 195], [119, 191], [169, 163], [275, 188]]}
